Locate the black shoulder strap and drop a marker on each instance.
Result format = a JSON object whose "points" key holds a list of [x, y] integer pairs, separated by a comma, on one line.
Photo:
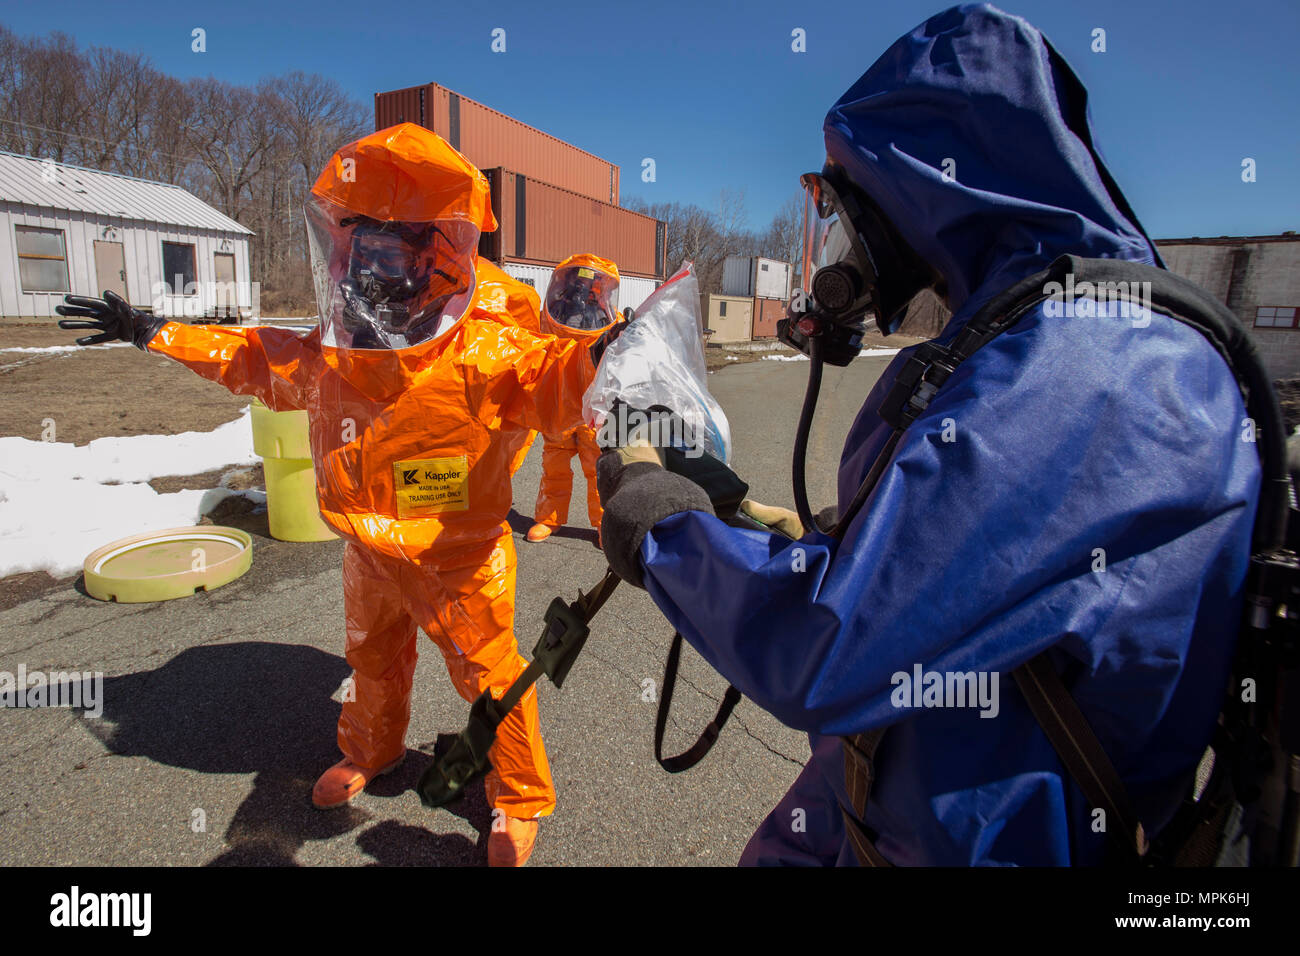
{"points": [[929, 366], [1082, 753], [1183, 300]]}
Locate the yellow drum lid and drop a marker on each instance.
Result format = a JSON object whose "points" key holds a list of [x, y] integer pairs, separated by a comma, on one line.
{"points": [[162, 565]]}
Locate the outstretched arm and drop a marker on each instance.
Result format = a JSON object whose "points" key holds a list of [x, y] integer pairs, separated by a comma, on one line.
{"points": [[274, 365]]}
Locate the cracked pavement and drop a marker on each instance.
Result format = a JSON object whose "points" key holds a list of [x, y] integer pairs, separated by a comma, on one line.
{"points": [[219, 711]]}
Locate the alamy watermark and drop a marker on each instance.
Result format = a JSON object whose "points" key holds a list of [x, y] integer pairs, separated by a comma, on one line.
{"points": [[130, 910], [76, 689], [193, 300], [922, 688], [1084, 300]]}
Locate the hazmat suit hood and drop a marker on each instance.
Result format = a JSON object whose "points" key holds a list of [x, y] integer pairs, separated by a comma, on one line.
{"points": [[972, 134], [393, 222], [580, 299]]}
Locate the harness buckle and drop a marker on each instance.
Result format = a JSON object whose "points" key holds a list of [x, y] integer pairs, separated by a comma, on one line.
{"points": [[921, 376]]}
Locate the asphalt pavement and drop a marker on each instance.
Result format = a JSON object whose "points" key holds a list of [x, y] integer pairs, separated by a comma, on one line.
{"points": [[219, 710]]}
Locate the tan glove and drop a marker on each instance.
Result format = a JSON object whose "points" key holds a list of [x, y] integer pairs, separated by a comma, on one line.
{"points": [[638, 448], [782, 520]]}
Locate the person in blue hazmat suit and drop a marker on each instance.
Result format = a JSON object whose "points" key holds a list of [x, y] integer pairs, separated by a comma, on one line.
{"points": [[1079, 483]]}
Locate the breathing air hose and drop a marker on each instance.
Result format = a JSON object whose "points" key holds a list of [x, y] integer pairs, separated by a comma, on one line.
{"points": [[800, 462]]}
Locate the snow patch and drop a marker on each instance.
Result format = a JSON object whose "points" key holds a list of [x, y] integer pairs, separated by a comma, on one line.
{"points": [[59, 502], [68, 348], [804, 358]]}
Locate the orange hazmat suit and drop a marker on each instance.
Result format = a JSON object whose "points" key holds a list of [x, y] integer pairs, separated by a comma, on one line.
{"points": [[578, 438], [414, 446], [514, 303]]}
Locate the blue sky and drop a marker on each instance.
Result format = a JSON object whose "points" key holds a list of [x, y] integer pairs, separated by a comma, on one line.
{"points": [[713, 92]]}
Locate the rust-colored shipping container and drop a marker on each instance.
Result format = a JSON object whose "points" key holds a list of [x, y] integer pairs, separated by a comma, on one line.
{"points": [[767, 312], [488, 138], [542, 224]]}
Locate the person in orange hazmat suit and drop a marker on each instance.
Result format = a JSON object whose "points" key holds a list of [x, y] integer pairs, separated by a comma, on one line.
{"points": [[579, 306], [514, 303], [420, 383]]}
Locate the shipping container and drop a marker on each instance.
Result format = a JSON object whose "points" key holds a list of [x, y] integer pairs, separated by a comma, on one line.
{"points": [[632, 290], [727, 318], [767, 312], [541, 224], [756, 277], [489, 138], [538, 277]]}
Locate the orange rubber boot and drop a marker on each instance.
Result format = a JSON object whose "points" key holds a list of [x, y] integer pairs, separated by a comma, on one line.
{"points": [[539, 532], [342, 782], [513, 843]]}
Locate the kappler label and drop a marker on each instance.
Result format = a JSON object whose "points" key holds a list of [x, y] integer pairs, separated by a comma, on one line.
{"points": [[428, 486]]}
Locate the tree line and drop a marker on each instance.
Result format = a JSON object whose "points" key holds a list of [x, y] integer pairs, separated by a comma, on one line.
{"points": [[253, 152], [708, 236], [250, 151]]}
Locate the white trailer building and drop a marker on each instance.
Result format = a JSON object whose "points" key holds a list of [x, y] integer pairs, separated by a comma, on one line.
{"points": [[757, 277], [64, 229]]}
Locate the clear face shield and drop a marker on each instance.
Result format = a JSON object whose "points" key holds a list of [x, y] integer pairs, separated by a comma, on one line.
{"points": [[837, 274], [579, 297], [387, 285]]}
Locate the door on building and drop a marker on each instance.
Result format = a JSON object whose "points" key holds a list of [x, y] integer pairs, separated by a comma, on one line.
{"points": [[110, 268], [227, 298]]}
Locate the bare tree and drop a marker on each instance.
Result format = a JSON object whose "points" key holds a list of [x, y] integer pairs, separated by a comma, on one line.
{"points": [[231, 131], [252, 152], [43, 95], [784, 237], [317, 116]]}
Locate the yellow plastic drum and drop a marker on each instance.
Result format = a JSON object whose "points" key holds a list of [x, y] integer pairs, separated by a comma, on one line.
{"points": [[291, 508], [162, 565]]}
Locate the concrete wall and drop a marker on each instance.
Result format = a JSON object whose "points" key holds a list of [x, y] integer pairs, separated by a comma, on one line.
{"points": [[142, 250], [1246, 275]]}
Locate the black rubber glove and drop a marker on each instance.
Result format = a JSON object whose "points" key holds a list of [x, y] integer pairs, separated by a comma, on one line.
{"points": [[112, 317], [606, 339]]}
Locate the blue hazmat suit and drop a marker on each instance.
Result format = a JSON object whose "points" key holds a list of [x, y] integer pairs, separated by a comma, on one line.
{"points": [[1084, 483]]}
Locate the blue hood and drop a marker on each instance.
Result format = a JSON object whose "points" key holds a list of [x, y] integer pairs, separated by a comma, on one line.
{"points": [[985, 90]]}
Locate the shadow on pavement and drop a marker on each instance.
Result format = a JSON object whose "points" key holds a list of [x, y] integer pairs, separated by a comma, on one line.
{"points": [[520, 525], [266, 709]]}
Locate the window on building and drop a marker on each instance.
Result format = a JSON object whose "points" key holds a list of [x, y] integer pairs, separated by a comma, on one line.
{"points": [[763, 266], [722, 310], [1275, 317], [178, 268], [42, 259]]}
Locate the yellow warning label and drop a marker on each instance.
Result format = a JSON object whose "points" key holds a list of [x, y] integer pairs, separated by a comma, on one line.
{"points": [[428, 486], [586, 273]]}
